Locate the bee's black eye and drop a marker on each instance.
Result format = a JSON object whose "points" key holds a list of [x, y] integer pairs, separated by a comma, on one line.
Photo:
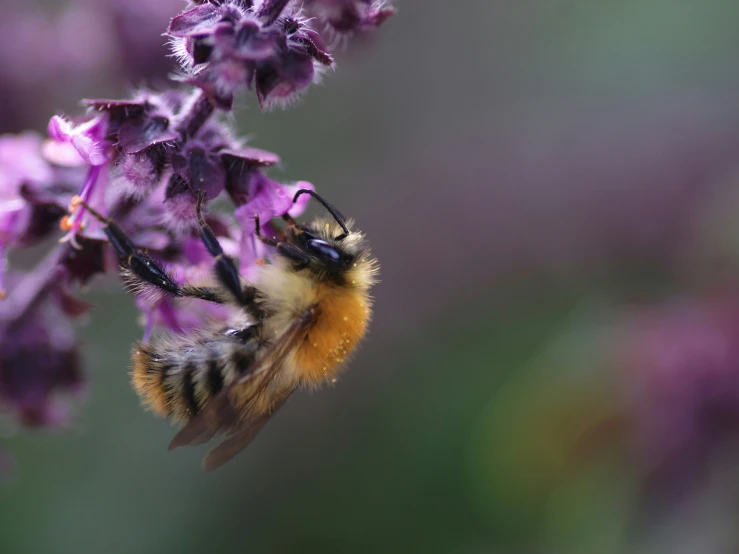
{"points": [[324, 250]]}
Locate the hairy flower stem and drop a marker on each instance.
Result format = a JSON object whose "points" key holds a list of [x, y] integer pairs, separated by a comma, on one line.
{"points": [[201, 110], [271, 10]]}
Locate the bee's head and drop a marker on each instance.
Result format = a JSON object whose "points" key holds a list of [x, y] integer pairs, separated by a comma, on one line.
{"points": [[328, 247]]}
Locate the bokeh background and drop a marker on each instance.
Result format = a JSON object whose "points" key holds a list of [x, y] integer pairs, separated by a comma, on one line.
{"points": [[552, 188]]}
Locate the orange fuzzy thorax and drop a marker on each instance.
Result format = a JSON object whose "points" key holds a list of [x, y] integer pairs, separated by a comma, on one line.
{"points": [[342, 318]]}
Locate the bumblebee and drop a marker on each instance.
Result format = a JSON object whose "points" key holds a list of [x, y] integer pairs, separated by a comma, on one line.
{"points": [[294, 326]]}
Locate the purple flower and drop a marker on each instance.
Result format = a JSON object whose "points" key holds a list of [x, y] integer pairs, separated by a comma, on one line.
{"points": [[39, 357], [223, 46], [347, 16], [33, 194], [682, 363]]}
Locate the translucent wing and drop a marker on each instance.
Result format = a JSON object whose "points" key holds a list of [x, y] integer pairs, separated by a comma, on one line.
{"points": [[219, 414], [237, 441]]}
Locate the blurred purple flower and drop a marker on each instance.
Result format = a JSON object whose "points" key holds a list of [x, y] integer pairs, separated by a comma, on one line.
{"points": [[39, 357], [33, 194], [683, 373], [346, 16], [223, 46]]}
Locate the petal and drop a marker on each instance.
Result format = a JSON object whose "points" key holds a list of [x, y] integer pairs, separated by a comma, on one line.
{"points": [[202, 171], [87, 138], [188, 22], [313, 45], [133, 108], [136, 135], [83, 264], [278, 80], [247, 156], [61, 153], [251, 42], [349, 16], [303, 200], [267, 200]]}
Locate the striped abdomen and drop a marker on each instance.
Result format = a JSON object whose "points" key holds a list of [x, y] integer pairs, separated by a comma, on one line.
{"points": [[176, 378]]}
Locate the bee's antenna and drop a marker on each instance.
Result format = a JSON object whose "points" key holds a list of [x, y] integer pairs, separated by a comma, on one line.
{"points": [[333, 211]]}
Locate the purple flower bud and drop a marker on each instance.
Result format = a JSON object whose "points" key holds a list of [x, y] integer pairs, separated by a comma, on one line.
{"points": [[227, 45], [347, 16]]}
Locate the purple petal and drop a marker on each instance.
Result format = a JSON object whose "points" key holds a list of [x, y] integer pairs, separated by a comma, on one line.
{"points": [[200, 170], [252, 157], [270, 10], [62, 154], [278, 80], [348, 16], [188, 22], [267, 200], [303, 200], [314, 46], [83, 264], [133, 108], [251, 42], [220, 80], [136, 135], [21, 161], [87, 138]]}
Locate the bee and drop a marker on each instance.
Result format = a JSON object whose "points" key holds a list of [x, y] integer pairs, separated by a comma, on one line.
{"points": [[294, 326]]}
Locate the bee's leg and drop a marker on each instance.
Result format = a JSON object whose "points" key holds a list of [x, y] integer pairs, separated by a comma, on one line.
{"points": [[284, 248], [141, 267], [225, 268]]}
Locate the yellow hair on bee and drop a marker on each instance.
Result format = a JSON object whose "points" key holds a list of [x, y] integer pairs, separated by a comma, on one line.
{"points": [[343, 310], [148, 380], [344, 316]]}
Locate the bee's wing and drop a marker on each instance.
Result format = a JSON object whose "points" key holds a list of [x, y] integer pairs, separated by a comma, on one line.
{"points": [[239, 439], [218, 415]]}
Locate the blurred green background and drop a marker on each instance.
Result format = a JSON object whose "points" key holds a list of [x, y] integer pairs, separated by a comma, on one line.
{"points": [[531, 174]]}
